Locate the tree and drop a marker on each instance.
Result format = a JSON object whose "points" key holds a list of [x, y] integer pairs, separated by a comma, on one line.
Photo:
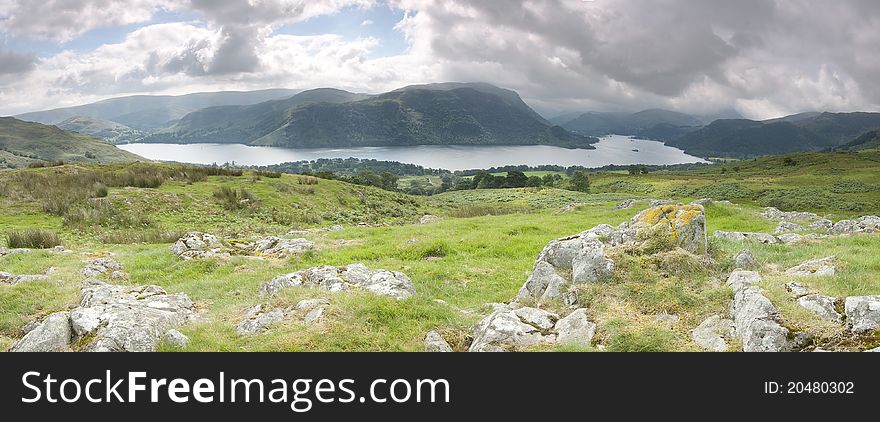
{"points": [[389, 181], [551, 180], [535, 182], [516, 179], [579, 181]]}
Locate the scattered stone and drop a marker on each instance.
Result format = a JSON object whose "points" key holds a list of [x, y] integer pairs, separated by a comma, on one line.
{"points": [[434, 342], [176, 338], [788, 227], [712, 333], [658, 202], [774, 214], [258, 319], [101, 266], [538, 318], [765, 238], [197, 245], [51, 335], [282, 248], [6, 251], [568, 208], [504, 330], [428, 219], [745, 260], [821, 267], [335, 279], [823, 306], [863, 313], [789, 238], [821, 225], [866, 224], [314, 315], [797, 289], [113, 318], [575, 329], [624, 205], [755, 317], [12, 279], [703, 201], [61, 249]]}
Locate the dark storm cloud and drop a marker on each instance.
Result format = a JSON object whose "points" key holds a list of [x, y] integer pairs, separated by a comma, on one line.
{"points": [[13, 63]]}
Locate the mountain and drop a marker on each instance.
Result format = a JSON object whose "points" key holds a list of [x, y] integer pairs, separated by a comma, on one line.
{"points": [[868, 140], [651, 124], [147, 112], [795, 117], [436, 114], [841, 128], [22, 143], [237, 124], [111, 132], [743, 138]]}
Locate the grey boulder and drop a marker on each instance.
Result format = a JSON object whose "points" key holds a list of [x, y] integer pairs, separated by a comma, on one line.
{"points": [[434, 342], [863, 313], [52, 335]]}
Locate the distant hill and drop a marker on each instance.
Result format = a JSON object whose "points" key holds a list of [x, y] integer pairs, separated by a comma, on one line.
{"points": [[243, 124], [868, 140], [437, 114], [651, 124], [22, 143], [841, 128], [147, 112], [111, 132], [748, 138]]}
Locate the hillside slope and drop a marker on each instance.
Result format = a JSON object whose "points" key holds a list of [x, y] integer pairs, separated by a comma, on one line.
{"points": [[146, 112], [748, 138], [23, 143], [112, 132]]}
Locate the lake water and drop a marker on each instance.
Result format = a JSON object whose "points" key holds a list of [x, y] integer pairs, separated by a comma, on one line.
{"points": [[614, 149]]}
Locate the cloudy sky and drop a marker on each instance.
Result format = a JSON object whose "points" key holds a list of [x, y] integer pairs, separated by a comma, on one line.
{"points": [[763, 58]]}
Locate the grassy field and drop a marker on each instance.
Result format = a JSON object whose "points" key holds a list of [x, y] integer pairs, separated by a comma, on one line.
{"points": [[480, 252]]}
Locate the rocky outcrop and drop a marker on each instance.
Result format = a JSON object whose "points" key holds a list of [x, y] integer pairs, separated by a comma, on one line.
{"points": [[6, 251], [102, 266], [176, 338], [863, 313], [627, 204], [797, 289], [775, 214], [260, 318], [744, 260], [277, 247], [336, 279], [111, 318], [866, 224], [428, 219], [12, 279], [764, 238], [755, 317], [583, 258], [197, 245], [788, 227], [712, 334], [511, 328], [820, 267], [822, 306], [434, 342]]}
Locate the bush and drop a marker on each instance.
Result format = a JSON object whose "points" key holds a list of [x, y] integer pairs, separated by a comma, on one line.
{"points": [[232, 199], [32, 239], [721, 191]]}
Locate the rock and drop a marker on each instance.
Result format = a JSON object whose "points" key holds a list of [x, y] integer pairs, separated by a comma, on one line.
{"points": [[659, 202], [755, 317], [176, 338], [568, 208], [789, 238], [132, 319], [712, 333], [823, 306], [335, 228], [590, 265], [702, 201], [314, 315], [504, 330], [575, 329], [765, 238], [821, 225], [821, 267], [744, 260], [51, 335], [538, 318], [624, 205], [101, 266], [7, 251], [434, 342], [258, 319], [12, 279], [197, 245], [335, 279], [866, 224], [788, 227], [299, 233], [687, 224], [774, 214], [876, 349], [282, 248], [61, 249], [863, 313], [797, 289]]}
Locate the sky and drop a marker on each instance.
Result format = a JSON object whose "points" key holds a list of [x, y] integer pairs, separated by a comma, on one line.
{"points": [[762, 58]]}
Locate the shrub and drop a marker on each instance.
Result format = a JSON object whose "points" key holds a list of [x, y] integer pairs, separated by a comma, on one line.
{"points": [[32, 239], [232, 199], [129, 237]]}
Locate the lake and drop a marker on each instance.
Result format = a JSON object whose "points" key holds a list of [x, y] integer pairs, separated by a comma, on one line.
{"points": [[613, 149]]}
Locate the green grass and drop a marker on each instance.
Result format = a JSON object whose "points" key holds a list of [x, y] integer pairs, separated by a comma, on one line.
{"points": [[480, 251]]}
